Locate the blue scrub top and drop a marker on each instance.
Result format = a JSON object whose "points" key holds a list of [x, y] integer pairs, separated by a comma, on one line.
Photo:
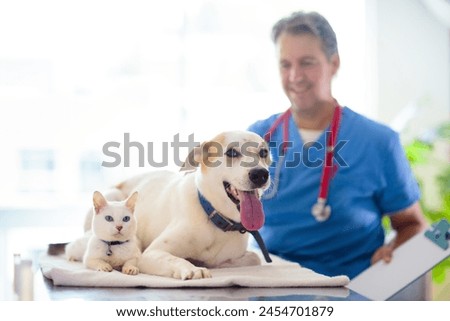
{"points": [[372, 178]]}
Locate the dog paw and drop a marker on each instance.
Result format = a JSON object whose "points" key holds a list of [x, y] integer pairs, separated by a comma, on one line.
{"points": [[248, 259], [192, 274], [130, 270]]}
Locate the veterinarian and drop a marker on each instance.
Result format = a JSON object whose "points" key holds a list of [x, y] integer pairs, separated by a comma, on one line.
{"points": [[325, 211]]}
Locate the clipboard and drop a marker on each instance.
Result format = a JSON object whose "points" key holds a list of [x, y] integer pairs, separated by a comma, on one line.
{"points": [[410, 261]]}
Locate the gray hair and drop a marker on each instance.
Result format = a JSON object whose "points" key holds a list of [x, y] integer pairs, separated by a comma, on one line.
{"points": [[311, 23]]}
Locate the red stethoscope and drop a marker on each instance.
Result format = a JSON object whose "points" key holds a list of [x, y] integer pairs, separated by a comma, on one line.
{"points": [[321, 211]]}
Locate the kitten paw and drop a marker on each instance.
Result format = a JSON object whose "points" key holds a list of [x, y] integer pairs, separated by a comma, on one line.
{"points": [[130, 270], [104, 267]]}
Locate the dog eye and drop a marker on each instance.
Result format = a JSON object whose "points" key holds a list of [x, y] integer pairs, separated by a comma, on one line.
{"points": [[109, 218], [126, 219], [263, 153], [232, 153]]}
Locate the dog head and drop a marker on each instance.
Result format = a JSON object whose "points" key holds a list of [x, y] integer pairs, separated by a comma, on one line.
{"points": [[233, 174]]}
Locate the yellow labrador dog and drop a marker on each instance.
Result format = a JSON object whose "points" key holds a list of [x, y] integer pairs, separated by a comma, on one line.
{"points": [[194, 221]]}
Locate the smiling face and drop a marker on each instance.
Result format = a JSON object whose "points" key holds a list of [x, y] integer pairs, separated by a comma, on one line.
{"points": [[305, 70]]}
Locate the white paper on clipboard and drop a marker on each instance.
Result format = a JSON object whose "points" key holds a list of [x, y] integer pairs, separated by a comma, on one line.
{"points": [[410, 261]]}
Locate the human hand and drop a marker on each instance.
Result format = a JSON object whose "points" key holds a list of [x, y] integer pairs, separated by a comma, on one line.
{"points": [[383, 253]]}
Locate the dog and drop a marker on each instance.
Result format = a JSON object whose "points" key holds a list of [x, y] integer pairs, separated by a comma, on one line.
{"points": [[190, 222]]}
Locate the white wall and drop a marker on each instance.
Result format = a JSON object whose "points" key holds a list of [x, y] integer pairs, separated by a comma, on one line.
{"points": [[413, 62]]}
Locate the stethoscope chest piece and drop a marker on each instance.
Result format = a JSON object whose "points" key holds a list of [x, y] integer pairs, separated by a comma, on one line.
{"points": [[320, 210]]}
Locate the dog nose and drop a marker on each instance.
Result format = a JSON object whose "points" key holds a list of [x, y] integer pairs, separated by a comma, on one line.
{"points": [[259, 176]]}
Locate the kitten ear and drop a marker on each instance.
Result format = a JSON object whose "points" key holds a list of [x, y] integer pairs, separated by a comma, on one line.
{"points": [[131, 201], [99, 201]]}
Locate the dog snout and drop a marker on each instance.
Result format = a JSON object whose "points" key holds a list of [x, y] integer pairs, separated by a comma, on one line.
{"points": [[259, 176]]}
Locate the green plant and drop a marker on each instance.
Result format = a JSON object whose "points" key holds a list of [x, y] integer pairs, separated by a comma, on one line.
{"points": [[420, 155]]}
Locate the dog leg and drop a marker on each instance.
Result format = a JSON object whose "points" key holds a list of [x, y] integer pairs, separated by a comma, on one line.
{"points": [[248, 259], [75, 250], [158, 262]]}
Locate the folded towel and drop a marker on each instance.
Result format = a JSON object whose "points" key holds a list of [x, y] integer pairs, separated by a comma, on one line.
{"points": [[280, 273]]}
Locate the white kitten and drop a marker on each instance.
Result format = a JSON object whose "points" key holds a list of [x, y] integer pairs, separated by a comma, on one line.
{"points": [[112, 242]]}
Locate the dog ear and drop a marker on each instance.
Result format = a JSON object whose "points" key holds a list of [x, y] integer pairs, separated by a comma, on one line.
{"points": [[192, 160], [200, 154], [99, 201]]}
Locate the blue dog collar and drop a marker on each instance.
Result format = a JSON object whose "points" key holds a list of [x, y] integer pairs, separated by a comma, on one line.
{"points": [[226, 224]]}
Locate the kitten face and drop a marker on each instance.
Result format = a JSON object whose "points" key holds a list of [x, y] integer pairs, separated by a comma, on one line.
{"points": [[114, 221]]}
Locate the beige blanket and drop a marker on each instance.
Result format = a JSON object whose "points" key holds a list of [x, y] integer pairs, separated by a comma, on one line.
{"points": [[280, 273]]}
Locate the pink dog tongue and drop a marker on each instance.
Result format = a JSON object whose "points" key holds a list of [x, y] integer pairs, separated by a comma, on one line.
{"points": [[252, 215]]}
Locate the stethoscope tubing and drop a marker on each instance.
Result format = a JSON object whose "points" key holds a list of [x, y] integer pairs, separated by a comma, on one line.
{"points": [[321, 211]]}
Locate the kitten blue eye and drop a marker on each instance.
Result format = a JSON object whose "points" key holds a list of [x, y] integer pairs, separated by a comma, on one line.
{"points": [[126, 219], [109, 218]]}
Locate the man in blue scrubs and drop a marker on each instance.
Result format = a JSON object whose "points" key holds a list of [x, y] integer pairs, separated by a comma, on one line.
{"points": [[372, 177]]}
